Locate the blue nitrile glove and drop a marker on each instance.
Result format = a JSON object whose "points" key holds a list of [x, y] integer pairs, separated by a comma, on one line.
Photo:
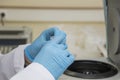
{"points": [[55, 58], [50, 34]]}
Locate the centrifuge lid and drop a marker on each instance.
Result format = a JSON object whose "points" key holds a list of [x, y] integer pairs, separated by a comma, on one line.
{"points": [[90, 69], [112, 19]]}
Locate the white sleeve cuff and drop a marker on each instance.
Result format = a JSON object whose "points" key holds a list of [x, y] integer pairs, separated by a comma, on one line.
{"points": [[19, 59], [34, 71]]}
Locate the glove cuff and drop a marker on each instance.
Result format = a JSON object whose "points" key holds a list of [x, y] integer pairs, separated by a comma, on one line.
{"points": [[55, 69], [27, 54]]}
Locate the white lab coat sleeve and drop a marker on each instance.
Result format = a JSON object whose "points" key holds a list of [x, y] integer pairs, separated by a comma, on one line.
{"points": [[34, 71], [12, 63]]}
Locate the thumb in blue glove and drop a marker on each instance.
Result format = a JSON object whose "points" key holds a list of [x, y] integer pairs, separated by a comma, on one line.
{"points": [[55, 58], [57, 36]]}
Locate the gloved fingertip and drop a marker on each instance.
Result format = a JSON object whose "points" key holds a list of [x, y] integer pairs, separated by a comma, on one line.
{"points": [[63, 41], [70, 55], [64, 33], [65, 46], [72, 58], [55, 27], [58, 39], [62, 46]]}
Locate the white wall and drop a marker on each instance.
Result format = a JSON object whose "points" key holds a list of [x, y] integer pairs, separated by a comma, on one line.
{"points": [[53, 15], [82, 20], [52, 3]]}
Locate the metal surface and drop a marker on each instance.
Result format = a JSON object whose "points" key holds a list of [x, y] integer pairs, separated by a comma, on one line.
{"points": [[112, 15], [90, 69], [115, 77]]}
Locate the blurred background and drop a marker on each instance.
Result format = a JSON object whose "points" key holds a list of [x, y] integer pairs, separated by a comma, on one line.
{"points": [[82, 20]]}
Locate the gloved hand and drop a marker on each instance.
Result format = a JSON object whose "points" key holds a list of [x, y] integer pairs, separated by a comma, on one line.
{"points": [[55, 58], [52, 34]]}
